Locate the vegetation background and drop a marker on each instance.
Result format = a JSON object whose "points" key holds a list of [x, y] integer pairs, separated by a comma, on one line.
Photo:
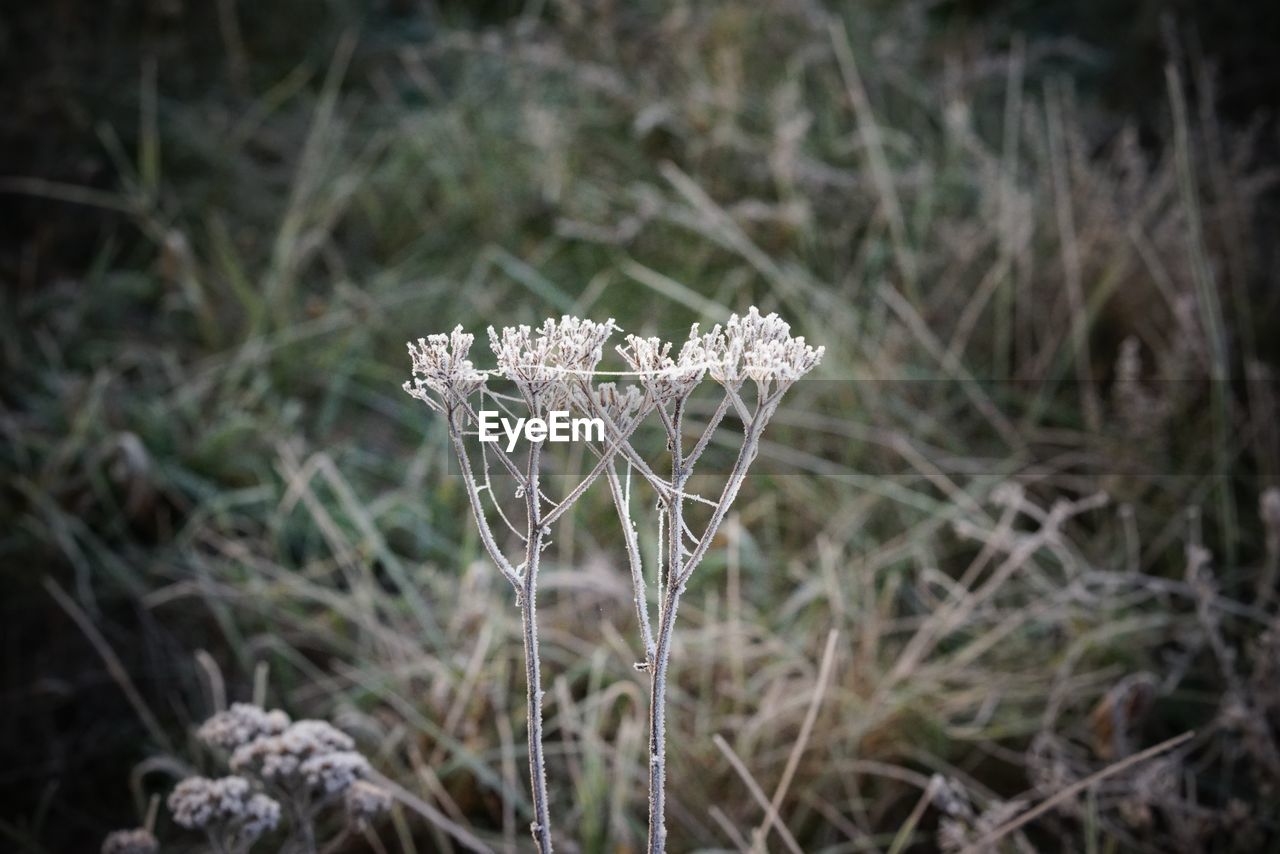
{"points": [[1038, 240]]}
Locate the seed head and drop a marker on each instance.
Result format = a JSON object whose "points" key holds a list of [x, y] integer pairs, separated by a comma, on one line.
{"points": [[618, 404], [545, 365], [279, 758], [665, 378], [364, 801], [241, 724], [441, 366], [228, 804], [331, 773], [758, 347]]}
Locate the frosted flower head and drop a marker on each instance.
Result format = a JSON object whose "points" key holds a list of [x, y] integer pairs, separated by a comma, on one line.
{"points": [[241, 724], [279, 758], [365, 801], [617, 404], [758, 347], [524, 359], [137, 841], [332, 773], [663, 377], [441, 366], [578, 345], [225, 805], [545, 364], [261, 814]]}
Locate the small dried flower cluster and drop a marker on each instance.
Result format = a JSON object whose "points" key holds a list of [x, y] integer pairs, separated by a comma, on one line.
{"points": [[241, 724], [760, 348], [228, 807], [137, 841], [441, 366], [303, 755], [665, 378], [306, 764], [365, 801], [545, 364], [617, 404]]}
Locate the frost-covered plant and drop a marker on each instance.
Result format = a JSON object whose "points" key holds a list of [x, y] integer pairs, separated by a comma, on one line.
{"points": [[364, 802], [555, 366], [284, 773], [228, 810], [241, 724], [755, 347], [544, 365]]}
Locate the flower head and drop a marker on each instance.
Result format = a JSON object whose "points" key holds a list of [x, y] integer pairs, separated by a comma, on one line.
{"points": [[545, 364], [758, 347], [617, 404], [137, 841], [241, 724], [441, 366], [331, 773], [227, 806], [666, 378], [364, 801], [279, 758]]}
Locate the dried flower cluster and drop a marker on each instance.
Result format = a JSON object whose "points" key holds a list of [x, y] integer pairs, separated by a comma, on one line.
{"points": [[554, 366], [241, 724], [440, 365], [544, 364], [281, 769], [288, 759], [228, 809], [760, 348], [364, 802], [665, 378]]}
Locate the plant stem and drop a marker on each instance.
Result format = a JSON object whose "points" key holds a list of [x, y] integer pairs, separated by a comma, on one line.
{"points": [[541, 826], [666, 626], [658, 722]]}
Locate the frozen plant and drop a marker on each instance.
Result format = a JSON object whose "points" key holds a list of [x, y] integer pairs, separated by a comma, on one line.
{"points": [[554, 366], [752, 347], [284, 774], [364, 802], [228, 810], [241, 724], [545, 366]]}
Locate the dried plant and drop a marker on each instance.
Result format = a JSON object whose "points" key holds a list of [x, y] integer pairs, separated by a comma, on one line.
{"points": [[285, 773], [555, 366]]}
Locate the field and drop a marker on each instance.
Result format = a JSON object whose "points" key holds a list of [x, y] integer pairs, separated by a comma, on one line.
{"points": [[1004, 575]]}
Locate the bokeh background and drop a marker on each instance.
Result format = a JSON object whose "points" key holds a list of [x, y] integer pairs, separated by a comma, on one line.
{"points": [[1027, 495]]}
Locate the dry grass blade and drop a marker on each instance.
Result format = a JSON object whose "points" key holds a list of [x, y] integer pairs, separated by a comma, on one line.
{"points": [[1049, 803], [115, 666], [761, 834], [756, 792]]}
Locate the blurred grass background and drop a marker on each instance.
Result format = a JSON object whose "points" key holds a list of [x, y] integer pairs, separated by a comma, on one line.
{"points": [[1037, 240]]}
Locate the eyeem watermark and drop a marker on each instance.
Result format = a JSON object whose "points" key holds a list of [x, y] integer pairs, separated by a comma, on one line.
{"points": [[556, 427]]}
